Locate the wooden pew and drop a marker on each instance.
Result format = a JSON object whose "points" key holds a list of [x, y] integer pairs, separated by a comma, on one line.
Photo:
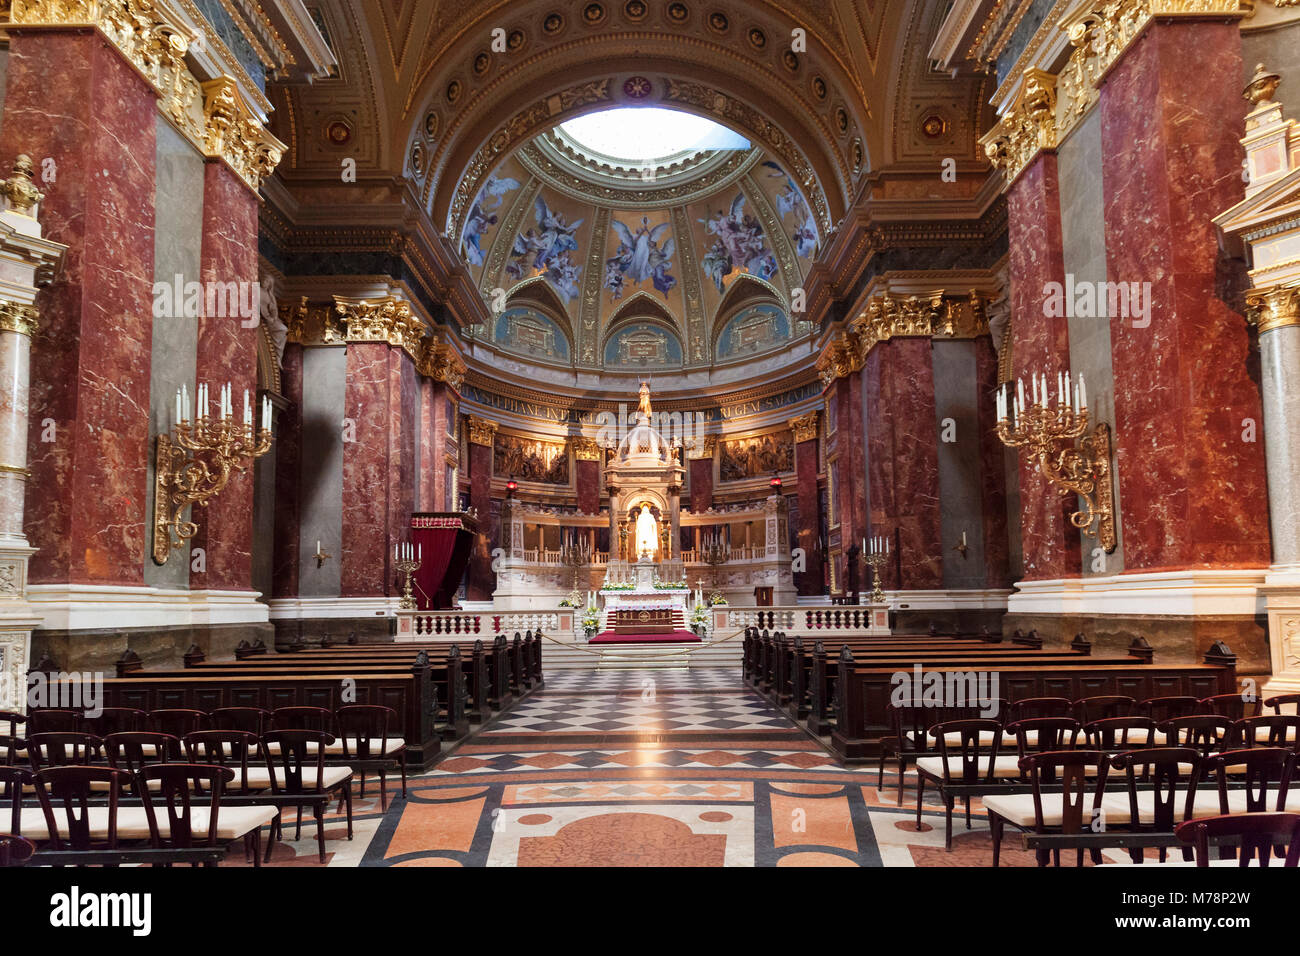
{"points": [[409, 691], [863, 689]]}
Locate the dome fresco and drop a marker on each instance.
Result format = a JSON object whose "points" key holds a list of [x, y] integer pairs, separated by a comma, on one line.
{"points": [[612, 248]]}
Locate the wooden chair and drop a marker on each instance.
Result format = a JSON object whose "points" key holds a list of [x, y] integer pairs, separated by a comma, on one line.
{"points": [[1277, 703], [1161, 709], [251, 720], [1160, 792], [13, 781], [1079, 774], [236, 750], [133, 752], [303, 718], [53, 720], [14, 850], [12, 726], [1118, 734], [183, 805], [299, 776], [113, 720], [1204, 733], [1256, 833], [971, 768], [364, 735], [63, 749], [1270, 730], [1263, 775], [1036, 707], [1232, 706], [67, 796], [1103, 707], [177, 721]]}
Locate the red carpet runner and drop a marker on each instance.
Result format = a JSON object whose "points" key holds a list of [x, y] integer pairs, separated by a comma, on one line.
{"points": [[672, 637]]}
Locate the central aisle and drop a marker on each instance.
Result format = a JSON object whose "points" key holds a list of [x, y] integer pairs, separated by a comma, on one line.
{"points": [[653, 768]]}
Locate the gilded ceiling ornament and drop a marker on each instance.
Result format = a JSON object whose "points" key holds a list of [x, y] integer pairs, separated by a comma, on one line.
{"points": [[440, 362], [586, 449], [388, 320], [1027, 128], [804, 427]]}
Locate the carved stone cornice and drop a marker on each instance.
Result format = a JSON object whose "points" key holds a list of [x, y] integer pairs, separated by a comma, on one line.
{"points": [[155, 41], [804, 427], [481, 430], [840, 358], [1273, 308], [586, 449], [22, 319]]}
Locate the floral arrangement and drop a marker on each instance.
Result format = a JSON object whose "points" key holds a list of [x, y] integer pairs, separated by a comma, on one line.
{"points": [[618, 587], [574, 599], [670, 586], [699, 618], [591, 620], [716, 598]]}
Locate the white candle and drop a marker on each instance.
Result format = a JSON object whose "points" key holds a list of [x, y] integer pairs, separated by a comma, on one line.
{"points": [[178, 405], [318, 545], [963, 538], [419, 551], [1083, 393], [1033, 383]]}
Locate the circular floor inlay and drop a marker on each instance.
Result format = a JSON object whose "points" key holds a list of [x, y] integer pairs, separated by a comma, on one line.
{"points": [[715, 816], [813, 859], [911, 826], [535, 819]]}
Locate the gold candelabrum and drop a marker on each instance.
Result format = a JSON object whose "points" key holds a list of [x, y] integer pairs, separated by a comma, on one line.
{"points": [[406, 558], [576, 554], [876, 554], [194, 462], [1049, 429], [715, 553]]}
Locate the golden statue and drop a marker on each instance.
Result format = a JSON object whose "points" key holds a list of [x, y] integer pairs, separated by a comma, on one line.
{"points": [[643, 408]]}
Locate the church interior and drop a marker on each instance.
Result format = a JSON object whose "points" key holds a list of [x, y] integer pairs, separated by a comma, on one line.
{"points": [[786, 433]]}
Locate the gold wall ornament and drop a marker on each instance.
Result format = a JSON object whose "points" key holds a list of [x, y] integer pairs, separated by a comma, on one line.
{"points": [[22, 319], [700, 447], [19, 189], [1273, 308], [1028, 128], [804, 427], [586, 449], [389, 320], [440, 362], [194, 463], [233, 132], [1049, 431], [481, 430]]}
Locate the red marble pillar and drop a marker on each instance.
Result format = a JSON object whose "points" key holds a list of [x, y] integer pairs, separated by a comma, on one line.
{"points": [[812, 579], [992, 469], [1040, 346], [851, 463], [482, 580], [587, 483], [288, 467], [701, 484], [903, 453], [378, 466], [437, 445], [227, 352], [71, 98], [1192, 492]]}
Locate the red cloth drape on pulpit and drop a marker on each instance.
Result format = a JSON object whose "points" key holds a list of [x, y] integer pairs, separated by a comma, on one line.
{"points": [[444, 540]]}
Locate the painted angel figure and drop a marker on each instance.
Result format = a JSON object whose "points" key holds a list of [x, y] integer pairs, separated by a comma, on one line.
{"points": [[639, 254], [556, 236], [476, 225]]}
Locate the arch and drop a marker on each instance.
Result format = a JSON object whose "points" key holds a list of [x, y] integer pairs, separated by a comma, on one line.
{"points": [[755, 328], [741, 290], [646, 307], [630, 343], [527, 330]]}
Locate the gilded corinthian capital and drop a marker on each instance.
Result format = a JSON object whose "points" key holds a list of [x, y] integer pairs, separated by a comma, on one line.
{"points": [[481, 431], [804, 427], [1273, 308]]}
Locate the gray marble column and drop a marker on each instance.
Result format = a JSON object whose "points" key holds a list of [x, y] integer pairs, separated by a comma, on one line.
{"points": [[1279, 352]]}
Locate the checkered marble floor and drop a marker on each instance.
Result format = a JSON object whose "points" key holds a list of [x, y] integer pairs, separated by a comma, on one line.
{"points": [[601, 682], [645, 712]]}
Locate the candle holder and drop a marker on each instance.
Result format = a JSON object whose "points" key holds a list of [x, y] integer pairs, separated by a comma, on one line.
{"points": [[194, 463], [576, 555], [1044, 428], [715, 554], [876, 560], [408, 567]]}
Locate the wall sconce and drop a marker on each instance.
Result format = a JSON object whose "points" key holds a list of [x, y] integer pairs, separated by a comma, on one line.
{"points": [[775, 482], [961, 545], [1043, 427], [195, 461], [511, 485], [321, 556]]}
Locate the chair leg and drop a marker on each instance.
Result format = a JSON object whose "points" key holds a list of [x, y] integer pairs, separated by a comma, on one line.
{"points": [[1095, 855], [270, 840], [363, 785], [967, 813], [920, 789], [256, 839], [297, 833], [349, 804], [880, 770], [902, 771], [995, 830], [318, 810], [947, 822], [403, 774]]}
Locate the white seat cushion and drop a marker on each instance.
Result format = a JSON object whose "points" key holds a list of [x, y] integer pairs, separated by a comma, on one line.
{"points": [[1003, 767], [391, 746], [1018, 808], [133, 824], [1118, 810]]}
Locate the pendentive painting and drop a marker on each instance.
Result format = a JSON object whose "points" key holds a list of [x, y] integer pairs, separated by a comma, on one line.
{"points": [[529, 460], [756, 457]]}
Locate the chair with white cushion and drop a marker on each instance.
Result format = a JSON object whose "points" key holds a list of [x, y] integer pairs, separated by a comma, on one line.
{"points": [[1257, 834], [1067, 788], [14, 850], [1119, 734], [300, 776], [182, 803], [1268, 730], [365, 741], [12, 746], [967, 764], [1159, 793]]}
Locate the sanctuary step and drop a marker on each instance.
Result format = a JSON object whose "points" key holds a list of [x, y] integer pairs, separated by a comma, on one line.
{"points": [[619, 656]]}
